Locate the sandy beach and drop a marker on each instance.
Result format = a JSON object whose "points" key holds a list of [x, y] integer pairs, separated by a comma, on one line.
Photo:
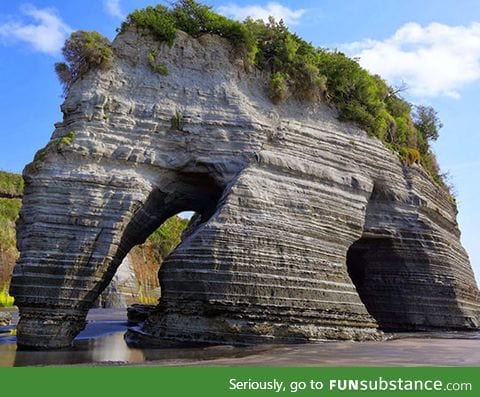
{"points": [[102, 343]]}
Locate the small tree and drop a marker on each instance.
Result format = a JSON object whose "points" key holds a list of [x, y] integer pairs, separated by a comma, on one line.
{"points": [[82, 51], [278, 88], [427, 122]]}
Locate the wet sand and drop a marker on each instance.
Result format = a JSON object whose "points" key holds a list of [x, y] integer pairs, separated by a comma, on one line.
{"points": [[102, 343]]}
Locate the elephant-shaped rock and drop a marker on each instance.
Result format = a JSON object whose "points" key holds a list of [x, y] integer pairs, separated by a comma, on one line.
{"points": [[306, 228]]}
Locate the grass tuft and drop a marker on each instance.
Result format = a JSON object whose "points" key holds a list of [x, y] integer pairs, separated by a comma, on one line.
{"points": [[6, 300]]}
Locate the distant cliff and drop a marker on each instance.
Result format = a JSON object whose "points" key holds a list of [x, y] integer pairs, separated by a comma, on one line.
{"points": [[11, 189]]}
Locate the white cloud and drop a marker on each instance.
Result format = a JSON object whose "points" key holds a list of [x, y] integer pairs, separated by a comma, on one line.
{"points": [[278, 11], [433, 60], [45, 32], [113, 8]]}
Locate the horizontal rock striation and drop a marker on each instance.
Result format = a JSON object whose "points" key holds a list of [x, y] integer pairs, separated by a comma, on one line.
{"points": [[308, 229]]}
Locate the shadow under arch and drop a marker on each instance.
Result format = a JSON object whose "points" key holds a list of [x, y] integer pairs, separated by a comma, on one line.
{"points": [[400, 271]]}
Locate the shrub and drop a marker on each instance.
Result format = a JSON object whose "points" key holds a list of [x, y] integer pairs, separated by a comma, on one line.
{"points": [[358, 96], [276, 46], [56, 145], [5, 299], [354, 111], [401, 131], [309, 84], [159, 68], [65, 76], [9, 211], [82, 51], [7, 232], [278, 89], [410, 156], [427, 122], [177, 121], [397, 106], [193, 18], [157, 20], [288, 58], [429, 163], [152, 57]]}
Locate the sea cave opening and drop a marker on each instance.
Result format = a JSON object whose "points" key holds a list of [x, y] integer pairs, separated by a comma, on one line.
{"points": [[376, 267]]}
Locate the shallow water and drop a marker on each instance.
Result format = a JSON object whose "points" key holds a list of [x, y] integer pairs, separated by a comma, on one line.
{"points": [[102, 343]]}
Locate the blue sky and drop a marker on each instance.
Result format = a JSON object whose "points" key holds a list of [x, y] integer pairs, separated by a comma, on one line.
{"points": [[432, 46]]}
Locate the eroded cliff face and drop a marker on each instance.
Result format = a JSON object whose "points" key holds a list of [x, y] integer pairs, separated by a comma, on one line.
{"points": [[135, 280], [294, 205]]}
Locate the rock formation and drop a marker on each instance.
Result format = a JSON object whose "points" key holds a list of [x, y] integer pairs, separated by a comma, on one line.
{"points": [[308, 229], [135, 280]]}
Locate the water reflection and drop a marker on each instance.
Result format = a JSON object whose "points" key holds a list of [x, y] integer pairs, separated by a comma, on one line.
{"points": [[107, 349], [110, 348], [102, 343]]}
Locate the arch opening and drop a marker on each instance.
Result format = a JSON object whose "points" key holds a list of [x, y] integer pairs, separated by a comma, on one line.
{"points": [[399, 270], [136, 280], [379, 273], [170, 214]]}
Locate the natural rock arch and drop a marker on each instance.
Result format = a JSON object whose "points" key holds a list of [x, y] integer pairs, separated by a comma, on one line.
{"points": [[197, 194], [284, 191], [400, 271]]}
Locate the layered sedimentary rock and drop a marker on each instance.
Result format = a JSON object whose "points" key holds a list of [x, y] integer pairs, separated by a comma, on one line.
{"points": [[135, 280], [307, 228]]}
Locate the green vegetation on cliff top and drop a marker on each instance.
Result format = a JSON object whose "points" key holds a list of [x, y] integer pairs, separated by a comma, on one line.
{"points": [[300, 70], [82, 51], [296, 69]]}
